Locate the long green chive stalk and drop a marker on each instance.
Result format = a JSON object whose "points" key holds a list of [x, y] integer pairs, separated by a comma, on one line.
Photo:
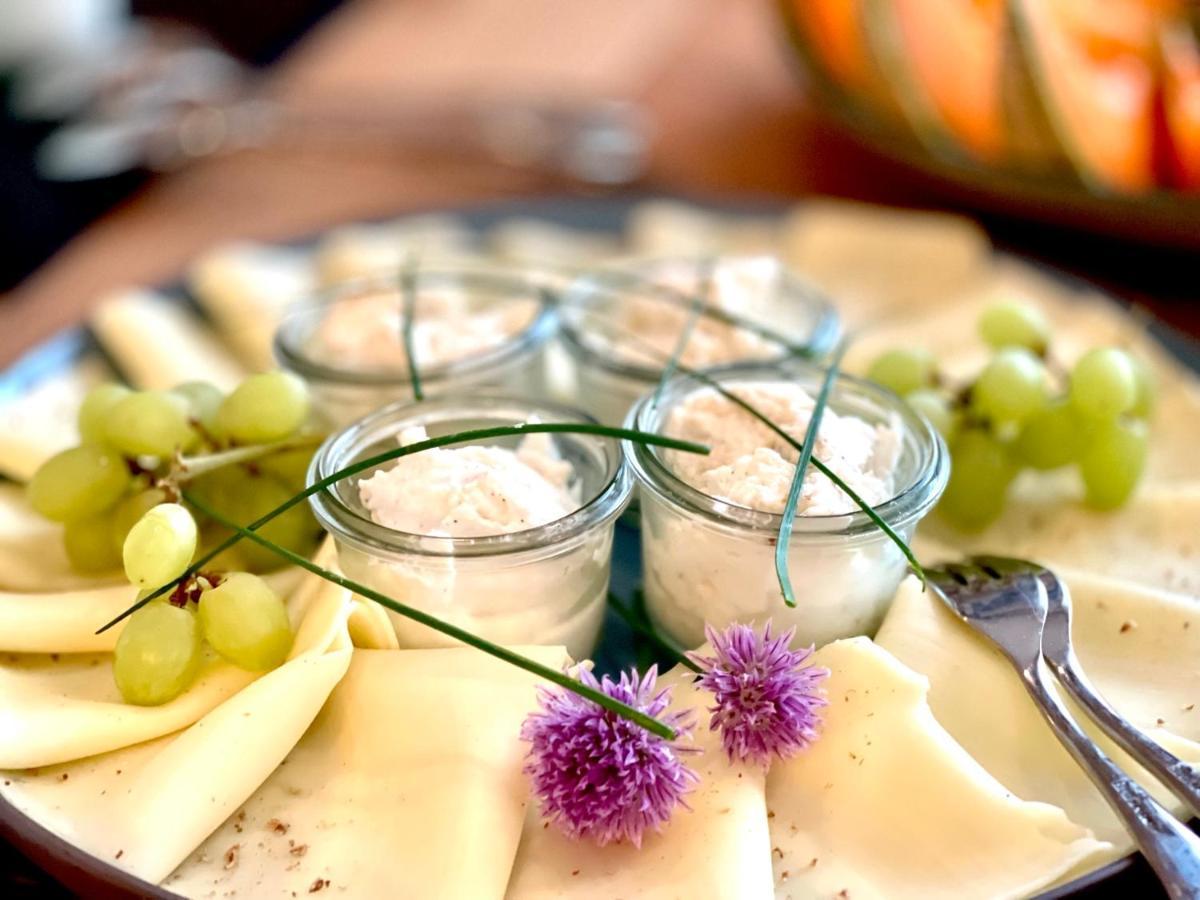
{"points": [[858, 501], [560, 678], [639, 625], [408, 293], [788, 519], [461, 437]]}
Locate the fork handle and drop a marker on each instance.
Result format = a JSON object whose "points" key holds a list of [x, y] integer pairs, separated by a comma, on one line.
{"points": [[1168, 845], [1180, 778]]}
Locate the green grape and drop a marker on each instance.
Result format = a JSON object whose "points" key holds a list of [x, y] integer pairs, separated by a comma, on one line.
{"points": [[78, 483], [1112, 464], [1104, 383], [264, 408], [1015, 325], [89, 545], [1051, 437], [1146, 395], [150, 423], [289, 466], [1011, 387], [160, 546], [130, 511], [246, 622], [935, 406], [980, 473], [157, 655], [203, 400], [243, 498], [93, 412], [904, 371]]}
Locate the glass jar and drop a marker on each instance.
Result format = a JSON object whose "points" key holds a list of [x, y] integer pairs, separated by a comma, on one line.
{"points": [[542, 585], [711, 561], [620, 325], [344, 388]]}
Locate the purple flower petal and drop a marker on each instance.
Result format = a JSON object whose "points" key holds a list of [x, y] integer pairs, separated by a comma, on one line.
{"points": [[599, 775], [767, 699]]}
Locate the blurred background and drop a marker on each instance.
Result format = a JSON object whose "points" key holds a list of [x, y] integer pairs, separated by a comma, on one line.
{"points": [[136, 133]]}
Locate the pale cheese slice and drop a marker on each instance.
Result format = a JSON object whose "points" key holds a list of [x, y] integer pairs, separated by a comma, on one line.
{"points": [[158, 343], [245, 288], [1153, 541], [56, 708], [1149, 671], [38, 421], [719, 848], [886, 805], [364, 249], [409, 784]]}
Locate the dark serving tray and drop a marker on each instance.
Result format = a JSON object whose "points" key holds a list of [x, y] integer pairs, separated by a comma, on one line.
{"points": [[89, 876]]}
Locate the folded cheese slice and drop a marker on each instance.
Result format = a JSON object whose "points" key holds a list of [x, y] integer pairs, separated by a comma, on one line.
{"points": [[158, 343], [408, 784], [886, 805], [719, 848], [1150, 541], [146, 807], [245, 289], [55, 708], [32, 557], [1137, 647]]}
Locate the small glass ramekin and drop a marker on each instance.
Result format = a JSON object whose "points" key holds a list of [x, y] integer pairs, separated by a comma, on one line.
{"points": [[543, 585], [343, 392], [607, 384], [710, 561]]}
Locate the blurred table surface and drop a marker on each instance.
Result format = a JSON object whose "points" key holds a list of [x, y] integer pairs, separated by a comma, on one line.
{"points": [[728, 107], [714, 74]]}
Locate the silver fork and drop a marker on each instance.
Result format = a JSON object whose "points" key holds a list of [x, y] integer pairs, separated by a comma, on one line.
{"points": [[1009, 609], [1182, 779]]}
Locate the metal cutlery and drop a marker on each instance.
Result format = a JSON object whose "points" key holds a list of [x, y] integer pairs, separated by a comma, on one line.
{"points": [[1008, 606]]}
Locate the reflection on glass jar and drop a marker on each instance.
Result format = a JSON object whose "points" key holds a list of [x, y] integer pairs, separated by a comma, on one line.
{"points": [[620, 325], [544, 584], [472, 327], [710, 560]]}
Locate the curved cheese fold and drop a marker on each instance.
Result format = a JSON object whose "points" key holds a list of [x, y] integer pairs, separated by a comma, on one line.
{"points": [[1149, 671], [886, 804], [408, 784], [718, 849], [32, 557]]}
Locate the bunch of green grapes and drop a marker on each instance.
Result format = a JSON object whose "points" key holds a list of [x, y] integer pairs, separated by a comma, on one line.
{"points": [[118, 497], [1018, 413]]}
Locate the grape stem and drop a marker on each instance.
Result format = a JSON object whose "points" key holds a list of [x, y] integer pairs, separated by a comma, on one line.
{"points": [[188, 467], [370, 462], [472, 640]]}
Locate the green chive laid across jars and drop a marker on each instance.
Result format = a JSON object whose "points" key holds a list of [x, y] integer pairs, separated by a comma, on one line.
{"points": [[621, 325], [509, 538], [710, 524], [468, 327]]}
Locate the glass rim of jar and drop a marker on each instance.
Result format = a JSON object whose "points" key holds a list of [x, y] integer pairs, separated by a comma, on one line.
{"points": [[911, 501], [291, 337], [344, 523], [633, 271]]}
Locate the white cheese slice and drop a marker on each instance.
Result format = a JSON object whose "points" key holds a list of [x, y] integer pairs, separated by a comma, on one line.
{"points": [[38, 421], [409, 784], [158, 343], [56, 708], [1149, 671], [719, 848], [1153, 541], [245, 289], [886, 805]]}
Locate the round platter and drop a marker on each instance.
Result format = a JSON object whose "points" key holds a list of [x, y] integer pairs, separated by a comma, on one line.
{"points": [[93, 877]]}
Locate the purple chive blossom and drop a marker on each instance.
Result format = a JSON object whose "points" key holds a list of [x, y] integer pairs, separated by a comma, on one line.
{"points": [[767, 698], [599, 775]]}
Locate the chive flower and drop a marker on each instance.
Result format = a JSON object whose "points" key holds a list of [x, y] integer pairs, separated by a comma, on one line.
{"points": [[767, 699], [597, 774]]}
